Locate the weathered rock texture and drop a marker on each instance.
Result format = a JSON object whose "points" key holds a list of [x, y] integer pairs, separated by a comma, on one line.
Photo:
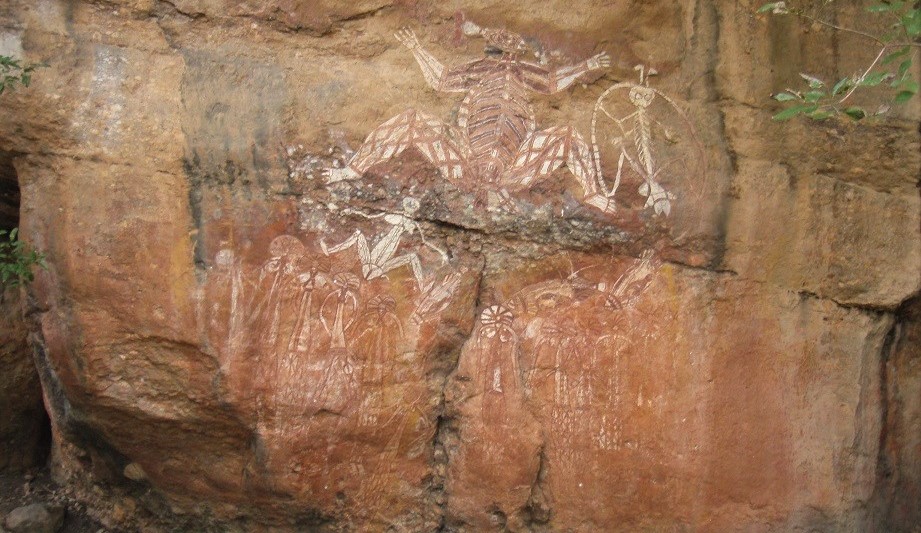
{"points": [[223, 337]]}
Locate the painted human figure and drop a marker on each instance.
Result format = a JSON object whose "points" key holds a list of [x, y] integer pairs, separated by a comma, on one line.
{"points": [[496, 363], [638, 127], [230, 273], [278, 282], [496, 145], [334, 386], [380, 258]]}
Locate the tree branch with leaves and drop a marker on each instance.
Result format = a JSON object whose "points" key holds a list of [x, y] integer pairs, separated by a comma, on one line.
{"points": [[16, 257], [14, 72], [890, 69]]}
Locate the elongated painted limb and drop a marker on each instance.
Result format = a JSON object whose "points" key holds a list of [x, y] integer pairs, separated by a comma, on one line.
{"points": [[434, 139], [436, 298], [436, 75], [541, 80], [544, 151], [410, 259], [357, 239]]}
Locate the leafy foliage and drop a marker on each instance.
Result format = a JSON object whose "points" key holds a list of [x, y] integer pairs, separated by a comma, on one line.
{"points": [[890, 70], [14, 72], [17, 259]]}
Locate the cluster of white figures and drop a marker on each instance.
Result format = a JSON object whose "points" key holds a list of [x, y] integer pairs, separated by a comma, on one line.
{"points": [[495, 149], [333, 326]]}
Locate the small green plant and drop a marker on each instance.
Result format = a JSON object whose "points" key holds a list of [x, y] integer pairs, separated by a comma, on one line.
{"points": [[17, 259], [821, 99], [14, 72]]}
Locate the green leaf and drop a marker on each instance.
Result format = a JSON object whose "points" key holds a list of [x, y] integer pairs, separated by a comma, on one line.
{"points": [[912, 22], [791, 112], [890, 6], [895, 55], [874, 79], [787, 114], [903, 68], [819, 115], [17, 259], [842, 85], [784, 97], [904, 96], [855, 112], [814, 83], [775, 7], [814, 96]]}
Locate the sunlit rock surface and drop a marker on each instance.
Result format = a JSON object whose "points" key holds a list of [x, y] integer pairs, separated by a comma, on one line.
{"points": [[720, 344]]}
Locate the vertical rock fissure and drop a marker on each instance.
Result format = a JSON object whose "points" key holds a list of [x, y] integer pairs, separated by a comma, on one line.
{"points": [[706, 22], [882, 491], [893, 503], [9, 192], [444, 441], [25, 430], [538, 510]]}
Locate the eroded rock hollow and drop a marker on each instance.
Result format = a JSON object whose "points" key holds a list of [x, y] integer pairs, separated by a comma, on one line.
{"points": [[412, 266]]}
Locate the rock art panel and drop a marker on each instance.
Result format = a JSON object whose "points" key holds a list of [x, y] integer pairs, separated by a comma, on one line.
{"points": [[271, 348], [540, 385], [653, 141], [495, 149], [537, 358], [325, 342], [495, 145], [609, 393]]}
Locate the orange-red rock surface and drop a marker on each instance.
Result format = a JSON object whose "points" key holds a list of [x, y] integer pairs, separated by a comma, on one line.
{"points": [[226, 339]]}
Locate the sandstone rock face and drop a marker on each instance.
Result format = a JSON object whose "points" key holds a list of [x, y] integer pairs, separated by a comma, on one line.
{"points": [[300, 277]]}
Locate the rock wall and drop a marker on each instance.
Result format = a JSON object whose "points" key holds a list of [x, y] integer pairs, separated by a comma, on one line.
{"points": [[300, 276]]}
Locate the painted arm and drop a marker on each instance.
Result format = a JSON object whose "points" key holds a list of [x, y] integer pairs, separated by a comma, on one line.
{"points": [[549, 82], [436, 75], [348, 243]]}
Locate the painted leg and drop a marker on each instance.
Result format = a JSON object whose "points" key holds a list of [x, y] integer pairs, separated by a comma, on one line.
{"points": [[435, 140], [544, 151], [413, 261]]}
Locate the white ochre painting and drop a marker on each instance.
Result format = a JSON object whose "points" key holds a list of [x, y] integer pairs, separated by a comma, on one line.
{"points": [[496, 149], [324, 334]]}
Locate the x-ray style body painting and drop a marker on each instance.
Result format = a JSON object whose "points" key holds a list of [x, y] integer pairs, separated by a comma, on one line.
{"points": [[496, 146], [320, 344], [319, 333], [652, 140], [551, 362]]}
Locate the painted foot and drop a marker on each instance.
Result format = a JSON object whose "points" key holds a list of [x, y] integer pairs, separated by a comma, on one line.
{"points": [[604, 203], [332, 175], [657, 198]]}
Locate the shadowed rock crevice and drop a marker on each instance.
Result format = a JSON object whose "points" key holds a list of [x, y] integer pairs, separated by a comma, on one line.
{"points": [[25, 432], [9, 192], [898, 477], [539, 510]]}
